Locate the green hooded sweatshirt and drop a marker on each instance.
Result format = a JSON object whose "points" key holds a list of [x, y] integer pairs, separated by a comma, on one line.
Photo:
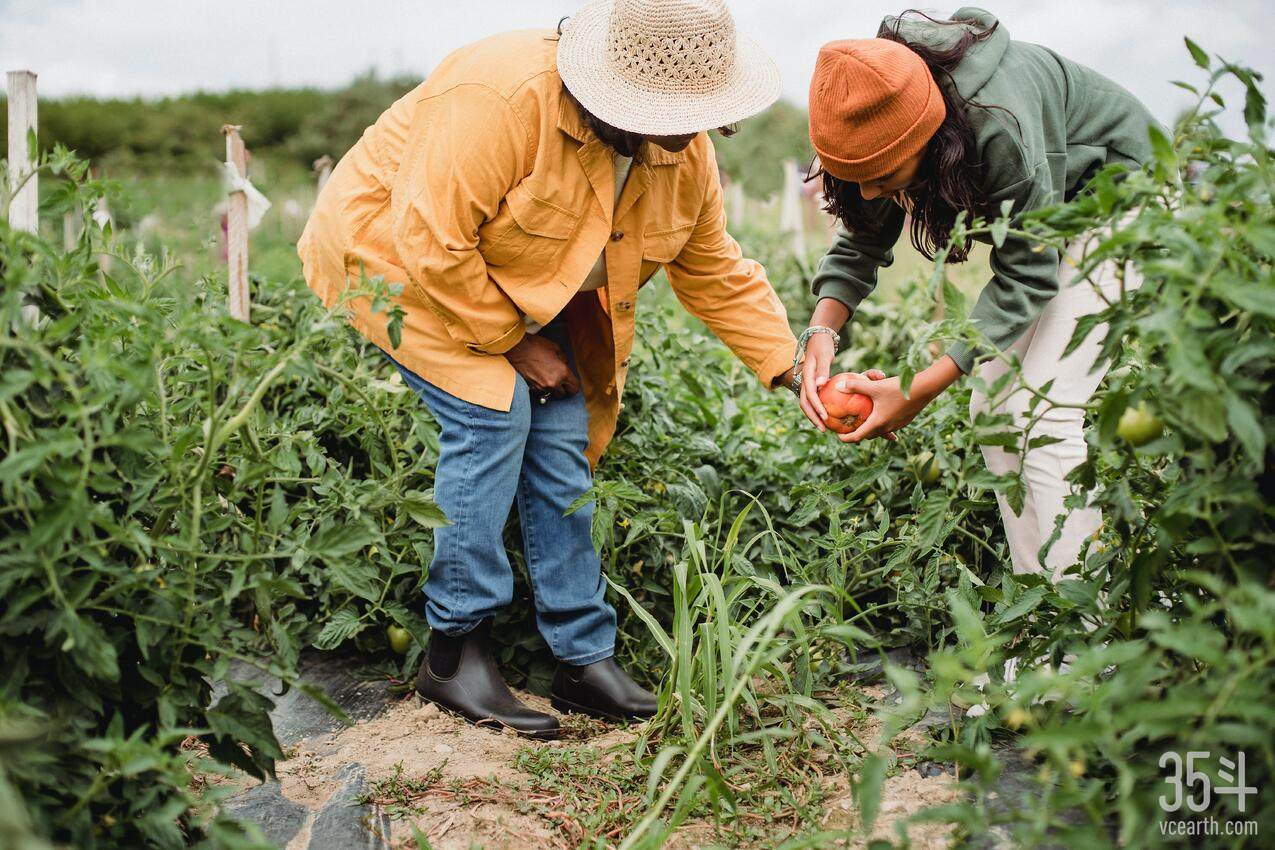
{"points": [[1051, 125]]}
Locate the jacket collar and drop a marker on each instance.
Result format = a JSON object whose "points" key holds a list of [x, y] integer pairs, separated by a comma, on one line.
{"points": [[570, 122]]}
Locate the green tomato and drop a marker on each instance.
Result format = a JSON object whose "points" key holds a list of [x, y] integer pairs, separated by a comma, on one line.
{"points": [[926, 468], [400, 639], [1139, 425]]}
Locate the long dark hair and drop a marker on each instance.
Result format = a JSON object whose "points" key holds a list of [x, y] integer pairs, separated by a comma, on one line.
{"points": [[621, 141], [949, 178]]}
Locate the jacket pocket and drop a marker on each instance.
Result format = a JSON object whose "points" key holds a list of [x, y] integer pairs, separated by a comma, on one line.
{"points": [[663, 246], [529, 231]]}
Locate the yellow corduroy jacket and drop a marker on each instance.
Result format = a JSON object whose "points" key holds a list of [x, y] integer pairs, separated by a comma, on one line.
{"points": [[484, 193]]}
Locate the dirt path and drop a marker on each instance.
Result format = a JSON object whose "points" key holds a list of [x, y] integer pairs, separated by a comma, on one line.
{"points": [[462, 786]]}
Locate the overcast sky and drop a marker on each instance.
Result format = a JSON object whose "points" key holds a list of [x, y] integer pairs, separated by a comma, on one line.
{"points": [[156, 47]]}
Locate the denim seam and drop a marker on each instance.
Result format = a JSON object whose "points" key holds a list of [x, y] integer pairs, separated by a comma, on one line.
{"points": [[460, 599], [529, 544], [591, 658]]}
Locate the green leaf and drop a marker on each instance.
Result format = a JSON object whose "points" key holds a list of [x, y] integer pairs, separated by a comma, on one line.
{"points": [[340, 627], [358, 577], [1209, 417], [326, 702], [1197, 53], [422, 508], [658, 767], [394, 327], [999, 230], [88, 647], [1247, 427], [1256, 296], [868, 791], [954, 300], [657, 631], [1029, 601], [1084, 327], [1162, 147], [1192, 640], [242, 717], [338, 541], [1254, 107], [934, 522], [850, 635], [58, 444], [1188, 362]]}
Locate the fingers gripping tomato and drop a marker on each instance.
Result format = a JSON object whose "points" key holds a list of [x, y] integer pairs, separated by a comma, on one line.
{"points": [[846, 410]]}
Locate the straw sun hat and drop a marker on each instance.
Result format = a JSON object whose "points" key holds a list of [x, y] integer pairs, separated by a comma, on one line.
{"points": [[664, 67]]}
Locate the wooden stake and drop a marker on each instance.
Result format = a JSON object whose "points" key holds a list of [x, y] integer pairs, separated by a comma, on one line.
{"points": [[237, 229], [791, 220], [100, 215], [69, 234], [23, 109], [735, 202], [323, 168]]}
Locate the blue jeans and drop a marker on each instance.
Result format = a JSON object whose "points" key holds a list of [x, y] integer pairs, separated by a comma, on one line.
{"points": [[487, 458]]}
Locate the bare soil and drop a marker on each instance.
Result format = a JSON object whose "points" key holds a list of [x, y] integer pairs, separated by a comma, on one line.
{"points": [[469, 791]]}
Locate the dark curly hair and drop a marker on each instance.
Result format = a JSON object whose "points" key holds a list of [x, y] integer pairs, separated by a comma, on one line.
{"points": [[949, 178]]}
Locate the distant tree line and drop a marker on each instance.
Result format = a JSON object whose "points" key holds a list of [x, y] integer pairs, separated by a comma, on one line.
{"points": [[183, 133]]}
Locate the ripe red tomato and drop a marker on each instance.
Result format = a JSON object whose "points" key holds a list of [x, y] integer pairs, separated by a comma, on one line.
{"points": [[846, 410]]}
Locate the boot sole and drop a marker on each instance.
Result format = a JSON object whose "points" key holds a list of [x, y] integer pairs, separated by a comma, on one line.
{"points": [[568, 707], [492, 725]]}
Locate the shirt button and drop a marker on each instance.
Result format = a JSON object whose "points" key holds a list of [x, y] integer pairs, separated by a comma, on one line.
{"points": [[625, 305], [617, 235], [621, 405], [625, 363]]}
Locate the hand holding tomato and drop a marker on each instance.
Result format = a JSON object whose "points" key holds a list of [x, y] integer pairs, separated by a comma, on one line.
{"points": [[830, 408], [891, 409], [844, 410], [820, 349]]}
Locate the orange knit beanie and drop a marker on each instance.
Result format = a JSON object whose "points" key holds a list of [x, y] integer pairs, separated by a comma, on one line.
{"points": [[873, 104]]}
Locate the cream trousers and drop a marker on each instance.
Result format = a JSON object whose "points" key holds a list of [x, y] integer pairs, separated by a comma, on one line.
{"points": [[1075, 377]]}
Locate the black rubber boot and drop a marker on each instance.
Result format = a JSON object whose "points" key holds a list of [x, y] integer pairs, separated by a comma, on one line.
{"points": [[601, 689], [460, 676]]}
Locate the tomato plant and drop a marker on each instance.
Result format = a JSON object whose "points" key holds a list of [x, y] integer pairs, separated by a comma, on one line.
{"points": [[182, 491]]}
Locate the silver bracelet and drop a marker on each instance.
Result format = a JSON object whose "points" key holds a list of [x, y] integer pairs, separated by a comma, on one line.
{"points": [[804, 339], [800, 355], [795, 386]]}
